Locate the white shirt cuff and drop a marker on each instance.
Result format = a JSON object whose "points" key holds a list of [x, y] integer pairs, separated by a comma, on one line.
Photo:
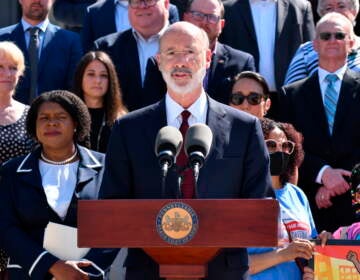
{"points": [[319, 176]]}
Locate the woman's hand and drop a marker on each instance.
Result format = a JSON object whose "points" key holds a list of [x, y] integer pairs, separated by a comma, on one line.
{"points": [[324, 236], [298, 248], [69, 270]]}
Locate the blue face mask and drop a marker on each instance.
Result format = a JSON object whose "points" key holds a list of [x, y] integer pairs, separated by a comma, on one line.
{"points": [[278, 163]]}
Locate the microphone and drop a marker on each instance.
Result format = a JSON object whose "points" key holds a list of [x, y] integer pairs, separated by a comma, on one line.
{"points": [[197, 145], [167, 146]]}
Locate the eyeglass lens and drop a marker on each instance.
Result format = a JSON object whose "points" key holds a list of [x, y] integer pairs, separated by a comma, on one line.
{"points": [[254, 98], [286, 147], [326, 36]]}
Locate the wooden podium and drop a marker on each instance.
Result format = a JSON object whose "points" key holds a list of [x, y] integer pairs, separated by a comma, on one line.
{"points": [[220, 223]]}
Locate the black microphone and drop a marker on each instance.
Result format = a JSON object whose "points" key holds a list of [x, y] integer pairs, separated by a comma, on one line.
{"points": [[197, 145], [167, 146]]}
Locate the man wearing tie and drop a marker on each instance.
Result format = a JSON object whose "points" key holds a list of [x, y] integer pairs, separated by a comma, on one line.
{"points": [[325, 109], [51, 53], [237, 165]]}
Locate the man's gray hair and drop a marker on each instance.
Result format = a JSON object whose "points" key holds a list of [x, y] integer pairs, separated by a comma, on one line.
{"points": [[353, 4]]}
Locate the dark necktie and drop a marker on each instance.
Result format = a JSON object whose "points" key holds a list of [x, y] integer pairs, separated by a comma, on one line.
{"points": [[188, 183], [34, 60]]}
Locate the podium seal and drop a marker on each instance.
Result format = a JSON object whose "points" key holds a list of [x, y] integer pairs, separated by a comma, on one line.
{"points": [[177, 223]]}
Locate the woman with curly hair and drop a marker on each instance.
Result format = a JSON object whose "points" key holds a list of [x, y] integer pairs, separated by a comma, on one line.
{"points": [[296, 223], [96, 83], [44, 187]]}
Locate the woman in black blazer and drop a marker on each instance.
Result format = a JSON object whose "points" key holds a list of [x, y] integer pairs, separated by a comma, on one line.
{"points": [[45, 185]]}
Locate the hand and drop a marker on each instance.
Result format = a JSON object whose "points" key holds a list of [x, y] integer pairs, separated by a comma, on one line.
{"points": [[334, 181], [308, 273], [351, 256], [323, 198], [69, 270], [324, 236], [298, 248]]}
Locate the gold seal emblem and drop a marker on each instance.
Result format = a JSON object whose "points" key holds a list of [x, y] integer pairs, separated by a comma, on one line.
{"points": [[177, 223]]}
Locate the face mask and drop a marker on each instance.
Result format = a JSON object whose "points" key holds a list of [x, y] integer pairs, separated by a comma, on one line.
{"points": [[278, 163]]}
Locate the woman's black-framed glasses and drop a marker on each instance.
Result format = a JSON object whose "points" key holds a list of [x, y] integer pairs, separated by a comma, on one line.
{"points": [[254, 98]]}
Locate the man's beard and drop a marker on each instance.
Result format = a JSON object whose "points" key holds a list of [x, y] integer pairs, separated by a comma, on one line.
{"points": [[196, 80], [38, 14]]}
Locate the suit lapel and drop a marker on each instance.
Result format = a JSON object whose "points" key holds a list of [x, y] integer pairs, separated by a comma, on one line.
{"points": [[218, 61], [282, 11], [315, 105], [109, 21], [348, 91], [28, 170], [19, 37], [245, 15], [221, 128], [46, 47]]}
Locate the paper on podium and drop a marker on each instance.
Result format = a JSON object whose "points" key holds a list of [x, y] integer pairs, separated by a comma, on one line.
{"points": [[61, 241]]}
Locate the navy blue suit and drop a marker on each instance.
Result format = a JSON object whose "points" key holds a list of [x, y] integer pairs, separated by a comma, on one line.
{"points": [[24, 214], [302, 106], [61, 50], [122, 48], [237, 167], [100, 21]]}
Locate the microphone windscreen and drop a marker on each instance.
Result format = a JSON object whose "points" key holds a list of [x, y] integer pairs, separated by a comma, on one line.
{"points": [[168, 138], [198, 138]]}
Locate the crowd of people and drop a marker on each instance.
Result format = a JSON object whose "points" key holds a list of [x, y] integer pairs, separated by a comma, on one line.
{"points": [[280, 94]]}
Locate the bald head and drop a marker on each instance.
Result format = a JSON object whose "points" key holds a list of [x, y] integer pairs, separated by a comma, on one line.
{"points": [[186, 28], [334, 18]]}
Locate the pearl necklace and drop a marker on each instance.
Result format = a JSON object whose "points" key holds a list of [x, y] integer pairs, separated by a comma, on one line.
{"points": [[66, 161]]}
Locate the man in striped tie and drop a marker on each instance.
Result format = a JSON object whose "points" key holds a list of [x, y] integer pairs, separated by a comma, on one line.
{"points": [[325, 108]]}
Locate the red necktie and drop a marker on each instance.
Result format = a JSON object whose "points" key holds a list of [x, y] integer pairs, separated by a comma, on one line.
{"points": [[188, 182]]}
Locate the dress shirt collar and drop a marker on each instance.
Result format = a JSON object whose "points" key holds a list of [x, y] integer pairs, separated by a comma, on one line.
{"points": [[262, 1], [339, 73], [138, 36], [123, 3], [198, 110], [42, 25]]}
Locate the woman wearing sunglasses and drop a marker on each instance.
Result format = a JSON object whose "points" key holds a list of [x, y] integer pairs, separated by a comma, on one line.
{"points": [[250, 93], [296, 224]]}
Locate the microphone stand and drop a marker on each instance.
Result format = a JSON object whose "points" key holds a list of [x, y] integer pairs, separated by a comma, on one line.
{"points": [[164, 171]]}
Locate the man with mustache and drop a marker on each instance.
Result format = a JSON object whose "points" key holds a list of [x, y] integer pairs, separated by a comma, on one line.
{"points": [[237, 165], [51, 53]]}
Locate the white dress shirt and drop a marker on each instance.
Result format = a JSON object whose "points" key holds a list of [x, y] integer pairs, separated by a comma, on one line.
{"points": [[147, 48], [198, 111], [264, 18], [59, 182], [121, 15]]}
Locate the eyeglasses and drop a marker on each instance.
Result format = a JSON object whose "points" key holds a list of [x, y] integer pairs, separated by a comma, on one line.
{"points": [[136, 4], [326, 36], [286, 147], [186, 54], [254, 98], [210, 18]]}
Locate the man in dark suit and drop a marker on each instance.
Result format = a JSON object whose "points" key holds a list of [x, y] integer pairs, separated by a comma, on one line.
{"points": [[325, 109], [226, 62], [110, 16], [59, 50], [237, 165], [271, 31], [130, 51]]}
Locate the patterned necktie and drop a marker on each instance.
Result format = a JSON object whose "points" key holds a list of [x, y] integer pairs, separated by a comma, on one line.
{"points": [[34, 60], [330, 100], [188, 182]]}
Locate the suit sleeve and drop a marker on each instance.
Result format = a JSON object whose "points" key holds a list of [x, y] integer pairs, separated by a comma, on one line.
{"points": [[70, 12], [308, 21], [250, 64], [117, 176], [87, 33], [257, 181], [34, 260], [75, 53]]}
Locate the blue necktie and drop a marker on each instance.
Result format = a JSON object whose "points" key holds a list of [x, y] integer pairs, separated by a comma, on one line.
{"points": [[330, 100]]}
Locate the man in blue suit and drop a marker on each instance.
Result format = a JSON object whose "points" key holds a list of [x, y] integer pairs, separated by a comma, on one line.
{"points": [[110, 16], [59, 50], [237, 165]]}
